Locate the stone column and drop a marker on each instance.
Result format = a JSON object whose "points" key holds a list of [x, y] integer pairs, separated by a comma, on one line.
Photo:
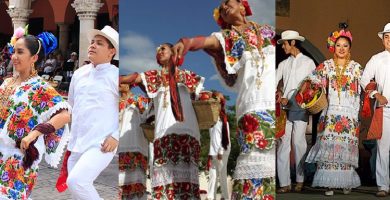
{"points": [[86, 11], [63, 38], [19, 11]]}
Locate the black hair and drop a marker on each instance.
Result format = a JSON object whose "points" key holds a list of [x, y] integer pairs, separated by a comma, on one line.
{"points": [[33, 45], [298, 44], [168, 44], [347, 38]]}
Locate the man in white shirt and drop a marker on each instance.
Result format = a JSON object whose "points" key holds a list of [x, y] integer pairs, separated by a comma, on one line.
{"points": [[292, 70], [378, 67], [94, 97], [219, 152]]}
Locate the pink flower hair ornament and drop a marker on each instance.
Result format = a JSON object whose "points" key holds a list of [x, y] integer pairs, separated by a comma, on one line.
{"points": [[331, 41], [19, 32]]}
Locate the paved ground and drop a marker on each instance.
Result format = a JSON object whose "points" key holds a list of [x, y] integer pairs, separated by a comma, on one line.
{"points": [[106, 184], [363, 193]]}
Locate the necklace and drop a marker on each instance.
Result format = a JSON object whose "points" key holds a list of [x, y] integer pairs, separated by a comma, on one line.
{"points": [[248, 47], [165, 82], [340, 70], [9, 89]]}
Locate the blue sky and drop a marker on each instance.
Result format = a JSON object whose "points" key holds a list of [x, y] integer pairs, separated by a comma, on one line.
{"points": [[143, 25]]}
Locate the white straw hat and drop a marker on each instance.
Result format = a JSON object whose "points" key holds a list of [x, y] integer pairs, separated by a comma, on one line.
{"points": [[290, 35]]}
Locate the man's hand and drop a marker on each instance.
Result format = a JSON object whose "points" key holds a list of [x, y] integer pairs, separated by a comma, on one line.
{"points": [[109, 144], [219, 156], [284, 101], [381, 99]]}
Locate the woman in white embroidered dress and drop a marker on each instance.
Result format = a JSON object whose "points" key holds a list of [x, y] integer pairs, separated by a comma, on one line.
{"points": [[133, 146], [176, 136], [32, 118], [336, 148], [245, 59]]}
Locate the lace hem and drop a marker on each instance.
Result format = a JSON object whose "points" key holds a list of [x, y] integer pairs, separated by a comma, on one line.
{"points": [[53, 159], [255, 165], [334, 152], [169, 173], [336, 178], [131, 177]]}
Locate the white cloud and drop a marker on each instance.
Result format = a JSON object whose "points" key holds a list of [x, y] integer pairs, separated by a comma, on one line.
{"points": [[137, 53], [214, 77], [263, 11]]}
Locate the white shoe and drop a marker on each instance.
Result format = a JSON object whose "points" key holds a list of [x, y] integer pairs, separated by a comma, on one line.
{"points": [[329, 193], [347, 190]]}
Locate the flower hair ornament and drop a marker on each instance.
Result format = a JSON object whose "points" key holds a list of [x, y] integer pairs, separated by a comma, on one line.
{"points": [[218, 18], [46, 40], [331, 41]]}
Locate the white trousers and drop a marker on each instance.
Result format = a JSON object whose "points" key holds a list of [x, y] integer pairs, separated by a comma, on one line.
{"points": [[218, 168], [83, 169], [382, 157], [296, 130]]}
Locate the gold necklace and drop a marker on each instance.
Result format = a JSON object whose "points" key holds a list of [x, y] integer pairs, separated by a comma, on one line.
{"points": [[165, 82], [250, 48], [340, 70], [9, 89]]}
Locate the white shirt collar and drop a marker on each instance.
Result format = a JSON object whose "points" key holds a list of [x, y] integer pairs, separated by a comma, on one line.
{"points": [[101, 66]]}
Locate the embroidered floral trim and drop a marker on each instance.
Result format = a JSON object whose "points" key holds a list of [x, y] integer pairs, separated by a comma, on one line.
{"points": [[256, 130], [261, 189], [42, 96], [22, 121], [254, 37], [174, 191], [154, 80], [16, 183], [176, 148], [339, 124], [132, 191], [137, 101], [132, 160]]}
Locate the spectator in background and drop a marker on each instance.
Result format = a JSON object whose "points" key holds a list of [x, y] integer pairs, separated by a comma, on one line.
{"points": [[50, 65]]}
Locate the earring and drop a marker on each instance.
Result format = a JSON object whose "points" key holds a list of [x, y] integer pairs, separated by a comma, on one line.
{"points": [[33, 70]]}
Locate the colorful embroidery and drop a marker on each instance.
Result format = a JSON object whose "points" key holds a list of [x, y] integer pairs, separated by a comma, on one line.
{"points": [[154, 80], [138, 101], [26, 106], [22, 121], [256, 130], [176, 148], [15, 182], [132, 161], [254, 37], [132, 191], [251, 189], [174, 191]]}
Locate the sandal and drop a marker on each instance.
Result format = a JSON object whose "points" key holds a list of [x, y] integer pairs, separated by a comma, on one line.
{"points": [[298, 187], [381, 193], [329, 193], [347, 190], [284, 189]]}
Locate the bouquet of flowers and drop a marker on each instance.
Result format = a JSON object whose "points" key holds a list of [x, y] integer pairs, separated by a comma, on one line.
{"points": [[309, 93]]}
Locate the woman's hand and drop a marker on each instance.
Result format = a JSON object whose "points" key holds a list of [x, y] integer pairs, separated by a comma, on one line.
{"points": [[109, 144], [131, 79], [28, 139], [177, 51]]}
